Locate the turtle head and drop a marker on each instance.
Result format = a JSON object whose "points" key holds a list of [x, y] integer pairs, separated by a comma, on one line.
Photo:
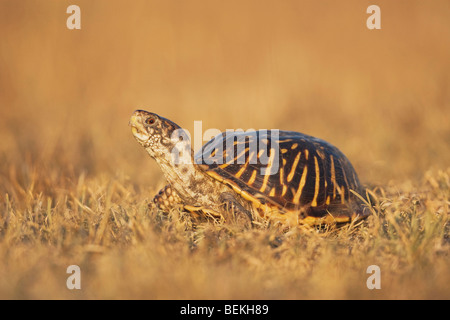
{"points": [[156, 134]]}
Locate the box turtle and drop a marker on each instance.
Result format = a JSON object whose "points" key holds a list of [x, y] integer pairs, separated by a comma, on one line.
{"points": [[239, 176]]}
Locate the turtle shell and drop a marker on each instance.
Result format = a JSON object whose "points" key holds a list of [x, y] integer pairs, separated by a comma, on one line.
{"points": [[285, 172]]}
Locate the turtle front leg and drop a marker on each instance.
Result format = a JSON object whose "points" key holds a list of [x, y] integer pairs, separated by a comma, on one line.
{"points": [[234, 211], [166, 200]]}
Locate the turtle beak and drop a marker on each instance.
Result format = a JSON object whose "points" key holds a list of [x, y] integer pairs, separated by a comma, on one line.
{"points": [[134, 120], [137, 128]]}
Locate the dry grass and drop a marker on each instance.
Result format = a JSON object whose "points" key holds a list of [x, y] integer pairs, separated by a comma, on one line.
{"points": [[74, 185]]}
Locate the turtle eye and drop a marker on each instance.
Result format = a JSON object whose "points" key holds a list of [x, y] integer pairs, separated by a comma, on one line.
{"points": [[150, 121]]}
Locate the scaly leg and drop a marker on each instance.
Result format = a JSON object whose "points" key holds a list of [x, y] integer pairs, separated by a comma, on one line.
{"points": [[235, 211], [166, 199]]}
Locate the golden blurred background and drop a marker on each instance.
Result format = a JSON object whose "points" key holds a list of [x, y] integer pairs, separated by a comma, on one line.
{"points": [[381, 96], [74, 184]]}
